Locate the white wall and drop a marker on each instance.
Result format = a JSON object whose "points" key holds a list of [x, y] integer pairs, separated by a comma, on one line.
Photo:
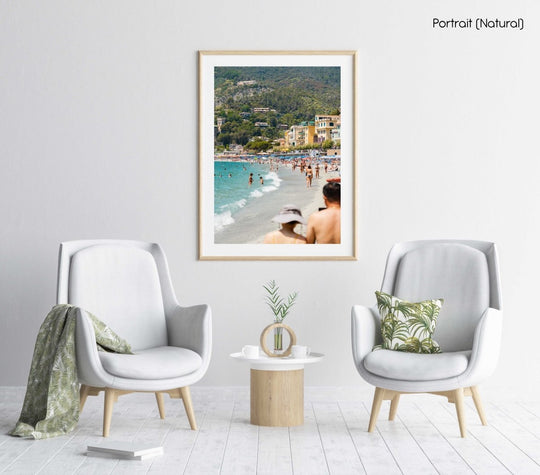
{"points": [[98, 139]]}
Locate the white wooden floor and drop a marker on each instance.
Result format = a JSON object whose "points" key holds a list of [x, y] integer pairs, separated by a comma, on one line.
{"points": [[424, 438]]}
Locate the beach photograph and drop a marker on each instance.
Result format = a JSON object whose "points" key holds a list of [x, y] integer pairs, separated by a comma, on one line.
{"points": [[277, 155]]}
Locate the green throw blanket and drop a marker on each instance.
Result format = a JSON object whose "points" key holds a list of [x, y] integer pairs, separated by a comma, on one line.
{"points": [[51, 404]]}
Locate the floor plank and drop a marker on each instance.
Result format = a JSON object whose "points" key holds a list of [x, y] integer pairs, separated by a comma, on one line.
{"points": [[424, 438], [177, 446], [521, 414], [520, 436], [478, 457], [371, 447], [533, 407], [512, 457], [11, 451], [274, 451], [444, 457], [208, 450], [405, 450], [340, 451], [38, 454], [241, 450], [308, 456]]}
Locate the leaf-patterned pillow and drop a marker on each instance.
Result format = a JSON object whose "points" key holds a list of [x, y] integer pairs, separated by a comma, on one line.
{"points": [[407, 326]]}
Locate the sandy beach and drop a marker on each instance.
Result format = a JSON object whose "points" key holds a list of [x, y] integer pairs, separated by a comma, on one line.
{"points": [[254, 221]]}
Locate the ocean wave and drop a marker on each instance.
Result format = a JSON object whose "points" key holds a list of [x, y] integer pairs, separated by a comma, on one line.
{"points": [[274, 178], [235, 206], [223, 215], [272, 183], [222, 219]]}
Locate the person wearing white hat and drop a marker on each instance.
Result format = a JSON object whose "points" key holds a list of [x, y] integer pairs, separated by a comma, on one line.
{"points": [[288, 218]]}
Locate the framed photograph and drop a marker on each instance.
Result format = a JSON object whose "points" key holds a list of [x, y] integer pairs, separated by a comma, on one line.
{"points": [[277, 152]]}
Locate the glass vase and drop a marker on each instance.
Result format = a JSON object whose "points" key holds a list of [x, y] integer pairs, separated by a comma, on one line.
{"points": [[278, 340]]}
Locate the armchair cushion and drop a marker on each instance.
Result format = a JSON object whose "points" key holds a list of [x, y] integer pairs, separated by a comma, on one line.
{"points": [[416, 367], [162, 362], [407, 326]]}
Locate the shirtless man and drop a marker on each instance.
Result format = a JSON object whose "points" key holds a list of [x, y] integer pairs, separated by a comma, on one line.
{"points": [[324, 227]]}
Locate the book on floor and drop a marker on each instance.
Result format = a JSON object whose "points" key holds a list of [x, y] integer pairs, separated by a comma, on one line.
{"points": [[121, 449], [108, 455]]}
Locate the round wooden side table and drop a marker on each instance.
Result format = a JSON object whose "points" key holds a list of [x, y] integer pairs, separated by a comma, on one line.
{"points": [[277, 389]]}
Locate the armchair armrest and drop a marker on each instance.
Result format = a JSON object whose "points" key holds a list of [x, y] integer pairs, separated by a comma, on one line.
{"points": [[89, 367], [191, 327], [365, 331], [486, 347]]}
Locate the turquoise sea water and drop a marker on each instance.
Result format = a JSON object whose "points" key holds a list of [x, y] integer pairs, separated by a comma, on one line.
{"points": [[232, 191]]}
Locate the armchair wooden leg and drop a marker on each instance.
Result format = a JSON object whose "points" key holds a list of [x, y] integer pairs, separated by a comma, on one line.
{"points": [[186, 398], [393, 407], [83, 395], [375, 408], [460, 410], [478, 403], [110, 399], [161, 405]]}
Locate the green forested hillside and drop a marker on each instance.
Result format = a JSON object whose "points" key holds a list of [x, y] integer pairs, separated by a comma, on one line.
{"points": [[293, 94]]}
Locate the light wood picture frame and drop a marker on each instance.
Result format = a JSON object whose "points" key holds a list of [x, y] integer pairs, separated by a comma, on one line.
{"points": [[275, 127]]}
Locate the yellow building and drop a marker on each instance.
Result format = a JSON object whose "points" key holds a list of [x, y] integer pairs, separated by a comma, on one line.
{"points": [[303, 134], [325, 124]]}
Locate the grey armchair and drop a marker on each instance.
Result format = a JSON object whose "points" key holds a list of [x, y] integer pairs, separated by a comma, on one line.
{"points": [[126, 284], [466, 275]]}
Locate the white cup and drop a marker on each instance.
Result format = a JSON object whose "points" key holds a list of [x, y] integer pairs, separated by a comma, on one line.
{"points": [[299, 351], [250, 351]]}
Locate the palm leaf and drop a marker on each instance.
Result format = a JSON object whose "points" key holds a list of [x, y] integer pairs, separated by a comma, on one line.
{"points": [[420, 324], [405, 308], [273, 299], [384, 303], [429, 346], [388, 326], [401, 331], [285, 307], [431, 310], [279, 307], [413, 344]]}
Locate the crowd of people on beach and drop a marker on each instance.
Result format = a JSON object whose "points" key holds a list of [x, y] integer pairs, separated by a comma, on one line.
{"points": [[310, 167], [323, 226]]}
